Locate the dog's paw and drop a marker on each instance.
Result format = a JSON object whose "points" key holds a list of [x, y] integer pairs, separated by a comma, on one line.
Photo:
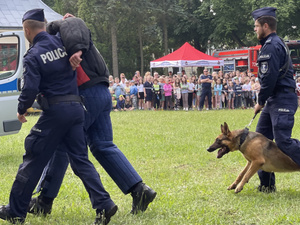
{"points": [[232, 186], [238, 189]]}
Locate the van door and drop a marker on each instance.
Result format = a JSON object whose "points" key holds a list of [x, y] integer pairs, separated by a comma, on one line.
{"points": [[12, 49]]}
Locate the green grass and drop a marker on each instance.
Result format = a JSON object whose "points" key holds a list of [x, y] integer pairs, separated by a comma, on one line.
{"points": [[168, 149]]}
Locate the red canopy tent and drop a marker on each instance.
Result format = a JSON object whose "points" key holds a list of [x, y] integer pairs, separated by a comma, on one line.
{"points": [[185, 56]]}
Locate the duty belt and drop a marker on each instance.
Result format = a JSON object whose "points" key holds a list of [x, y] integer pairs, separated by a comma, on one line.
{"points": [[64, 98], [284, 89]]}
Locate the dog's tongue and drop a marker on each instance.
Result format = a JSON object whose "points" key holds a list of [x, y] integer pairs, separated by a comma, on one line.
{"points": [[221, 152]]}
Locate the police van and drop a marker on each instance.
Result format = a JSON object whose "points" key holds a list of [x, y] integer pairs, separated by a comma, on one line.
{"points": [[12, 49]]}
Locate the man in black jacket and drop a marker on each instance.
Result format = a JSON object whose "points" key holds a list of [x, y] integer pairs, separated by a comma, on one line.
{"points": [[93, 85]]}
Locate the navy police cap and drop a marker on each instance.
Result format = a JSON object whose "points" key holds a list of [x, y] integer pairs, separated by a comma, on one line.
{"points": [[266, 11], [34, 14]]}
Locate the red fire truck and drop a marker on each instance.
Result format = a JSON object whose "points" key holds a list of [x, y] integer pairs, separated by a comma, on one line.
{"points": [[245, 58]]}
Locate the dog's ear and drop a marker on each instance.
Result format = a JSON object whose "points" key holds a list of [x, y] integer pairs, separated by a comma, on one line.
{"points": [[226, 130], [222, 128]]}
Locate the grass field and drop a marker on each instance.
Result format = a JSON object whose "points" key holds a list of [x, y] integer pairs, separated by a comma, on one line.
{"points": [[168, 149]]}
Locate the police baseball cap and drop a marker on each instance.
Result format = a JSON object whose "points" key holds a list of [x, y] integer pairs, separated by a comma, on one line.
{"points": [[266, 11], [34, 14]]}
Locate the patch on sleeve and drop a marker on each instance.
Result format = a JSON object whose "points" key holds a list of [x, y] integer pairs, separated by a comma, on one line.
{"points": [[264, 57], [264, 67]]}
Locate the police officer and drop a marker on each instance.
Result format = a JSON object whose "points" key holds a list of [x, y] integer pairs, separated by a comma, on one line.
{"points": [[206, 81], [277, 98], [47, 71], [92, 78]]}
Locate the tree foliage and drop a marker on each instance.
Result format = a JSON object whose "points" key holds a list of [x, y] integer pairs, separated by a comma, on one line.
{"points": [[136, 31]]}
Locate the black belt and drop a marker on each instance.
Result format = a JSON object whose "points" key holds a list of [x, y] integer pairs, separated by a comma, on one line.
{"points": [[64, 98], [284, 89]]}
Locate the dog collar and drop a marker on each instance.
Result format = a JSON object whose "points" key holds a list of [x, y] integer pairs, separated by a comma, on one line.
{"points": [[243, 136]]}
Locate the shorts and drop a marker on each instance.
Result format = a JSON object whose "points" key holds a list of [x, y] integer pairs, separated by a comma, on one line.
{"points": [[141, 95]]}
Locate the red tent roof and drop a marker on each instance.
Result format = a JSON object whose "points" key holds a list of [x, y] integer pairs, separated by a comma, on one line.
{"points": [[186, 55]]}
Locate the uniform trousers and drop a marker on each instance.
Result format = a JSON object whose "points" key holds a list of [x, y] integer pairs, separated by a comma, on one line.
{"points": [[61, 124], [205, 92], [276, 122], [97, 100]]}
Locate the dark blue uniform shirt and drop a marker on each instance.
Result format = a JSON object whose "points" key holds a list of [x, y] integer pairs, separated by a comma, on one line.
{"points": [[206, 85], [46, 70], [271, 58]]}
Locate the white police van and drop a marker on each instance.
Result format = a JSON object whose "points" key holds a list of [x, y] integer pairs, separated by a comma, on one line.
{"points": [[12, 49]]}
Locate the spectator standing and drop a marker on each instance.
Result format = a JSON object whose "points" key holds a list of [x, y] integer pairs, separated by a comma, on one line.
{"points": [[148, 92], [177, 93], [225, 94], [140, 88], [231, 95], [118, 88], [238, 94], [133, 94], [127, 88], [162, 92], [218, 93], [168, 93], [156, 95], [206, 81], [191, 92], [184, 93], [247, 94]]}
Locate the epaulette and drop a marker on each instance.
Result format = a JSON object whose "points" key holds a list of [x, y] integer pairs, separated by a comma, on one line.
{"points": [[269, 40]]}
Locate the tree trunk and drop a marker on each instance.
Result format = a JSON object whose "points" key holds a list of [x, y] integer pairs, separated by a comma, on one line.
{"points": [[114, 46], [141, 48], [165, 32]]}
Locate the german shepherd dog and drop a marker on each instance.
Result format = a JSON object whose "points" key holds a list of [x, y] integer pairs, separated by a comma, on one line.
{"points": [[260, 152]]}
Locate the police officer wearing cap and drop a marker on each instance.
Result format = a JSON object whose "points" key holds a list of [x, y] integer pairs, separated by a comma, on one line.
{"points": [[47, 72], [277, 99]]}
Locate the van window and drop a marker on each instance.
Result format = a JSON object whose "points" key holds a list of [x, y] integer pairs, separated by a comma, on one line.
{"points": [[8, 56]]}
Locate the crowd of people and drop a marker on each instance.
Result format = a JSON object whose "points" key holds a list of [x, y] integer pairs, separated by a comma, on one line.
{"points": [[216, 90]]}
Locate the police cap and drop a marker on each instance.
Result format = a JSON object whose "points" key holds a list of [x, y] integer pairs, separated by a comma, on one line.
{"points": [[266, 11], [34, 14]]}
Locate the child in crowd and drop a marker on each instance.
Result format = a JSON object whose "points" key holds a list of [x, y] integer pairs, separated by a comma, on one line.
{"points": [[184, 93], [177, 93], [110, 88], [140, 88], [133, 94], [168, 93], [162, 93], [238, 94], [198, 89], [230, 95], [114, 102], [118, 88], [127, 88], [218, 93], [224, 94], [156, 95], [256, 89], [120, 103], [148, 92], [247, 94], [127, 105]]}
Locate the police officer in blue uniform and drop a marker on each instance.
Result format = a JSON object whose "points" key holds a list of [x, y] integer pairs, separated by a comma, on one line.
{"points": [[47, 72], [277, 98], [206, 81], [92, 79]]}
